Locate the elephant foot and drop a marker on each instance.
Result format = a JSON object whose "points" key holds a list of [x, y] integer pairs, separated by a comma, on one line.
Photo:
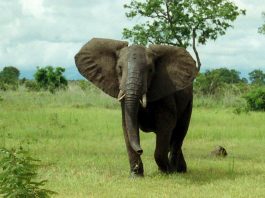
{"points": [[178, 163], [137, 171], [181, 167], [165, 171], [164, 167], [134, 175]]}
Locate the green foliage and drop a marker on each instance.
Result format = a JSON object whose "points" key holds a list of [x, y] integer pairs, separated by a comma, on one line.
{"points": [[22, 81], [3, 86], [257, 77], [212, 81], [9, 78], [18, 174], [32, 85], [49, 78], [173, 21], [84, 84], [256, 99], [261, 29]]}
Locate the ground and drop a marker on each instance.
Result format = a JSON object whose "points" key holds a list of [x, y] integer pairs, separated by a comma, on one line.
{"points": [[78, 137]]}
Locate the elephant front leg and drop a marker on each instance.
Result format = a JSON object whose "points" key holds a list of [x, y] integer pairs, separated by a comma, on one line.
{"points": [[136, 165]]}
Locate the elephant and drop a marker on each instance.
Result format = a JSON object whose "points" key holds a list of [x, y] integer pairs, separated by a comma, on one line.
{"points": [[154, 87]]}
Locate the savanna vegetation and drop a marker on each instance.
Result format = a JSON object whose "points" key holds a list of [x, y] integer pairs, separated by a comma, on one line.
{"points": [[75, 131], [77, 135]]}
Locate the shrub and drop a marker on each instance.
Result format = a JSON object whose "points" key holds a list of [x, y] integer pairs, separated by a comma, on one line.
{"points": [[17, 174], [214, 82], [256, 99], [85, 85], [5, 86], [257, 77], [22, 81], [49, 78], [32, 85], [9, 78]]}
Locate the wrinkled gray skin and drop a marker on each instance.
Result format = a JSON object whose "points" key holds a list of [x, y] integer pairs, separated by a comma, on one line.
{"points": [[167, 116]]}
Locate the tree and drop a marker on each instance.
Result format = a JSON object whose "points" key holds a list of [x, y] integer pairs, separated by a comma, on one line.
{"points": [[211, 81], [256, 99], [9, 78], [227, 76], [9, 75], [49, 78], [257, 77], [262, 28], [180, 23]]}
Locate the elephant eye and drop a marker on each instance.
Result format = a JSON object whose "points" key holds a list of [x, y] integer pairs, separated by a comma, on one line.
{"points": [[119, 69]]}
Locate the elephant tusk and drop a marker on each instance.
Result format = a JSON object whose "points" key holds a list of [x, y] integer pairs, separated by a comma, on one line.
{"points": [[121, 95], [143, 101]]}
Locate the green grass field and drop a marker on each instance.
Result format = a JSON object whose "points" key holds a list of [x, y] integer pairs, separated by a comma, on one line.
{"points": [[79, 139]]}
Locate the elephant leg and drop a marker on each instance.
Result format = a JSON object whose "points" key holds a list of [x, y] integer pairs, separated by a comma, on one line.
{"points": [[136, 165], [176, 157], [165, 123], [161, 151]]}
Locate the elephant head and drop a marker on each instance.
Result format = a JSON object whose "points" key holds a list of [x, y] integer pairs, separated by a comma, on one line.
{"points": [[135, 73]]}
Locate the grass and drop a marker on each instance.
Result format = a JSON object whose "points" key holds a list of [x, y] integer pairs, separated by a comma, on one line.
{"points": [[78, 137]]}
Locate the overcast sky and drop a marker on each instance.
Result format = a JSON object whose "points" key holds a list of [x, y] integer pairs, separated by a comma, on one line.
{"points": [[50, 32]]}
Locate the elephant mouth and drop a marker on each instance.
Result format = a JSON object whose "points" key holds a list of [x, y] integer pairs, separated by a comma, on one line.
{"points": [[143, 100]]}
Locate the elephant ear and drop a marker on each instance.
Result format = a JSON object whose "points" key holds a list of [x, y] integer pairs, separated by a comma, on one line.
{"points": [[175, 69], [96, 61]]}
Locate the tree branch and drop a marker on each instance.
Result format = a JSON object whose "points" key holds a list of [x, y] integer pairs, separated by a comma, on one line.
{"points": [[195, 50]]}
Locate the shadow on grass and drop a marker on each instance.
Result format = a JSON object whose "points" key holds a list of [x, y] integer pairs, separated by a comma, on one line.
{"points": [[210, 172]]}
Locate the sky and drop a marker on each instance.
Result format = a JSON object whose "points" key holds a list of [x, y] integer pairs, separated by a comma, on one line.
{"points": [[47, 32]]}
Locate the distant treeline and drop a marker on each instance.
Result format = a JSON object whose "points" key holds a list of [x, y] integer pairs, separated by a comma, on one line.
{"points": [[215, 83]]}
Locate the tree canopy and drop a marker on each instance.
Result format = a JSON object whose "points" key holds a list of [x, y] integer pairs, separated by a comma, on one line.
{"points": [[180, 23], [9, 77], [49, 78], [257, 77], [210, 81]]}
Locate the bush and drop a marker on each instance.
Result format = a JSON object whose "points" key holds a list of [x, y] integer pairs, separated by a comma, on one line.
{"points": [[9, 78], [32, 85], [17, 174], [52, 79], [22, 81], [214, 82], [5, 86], [85, 85], [256, 99]]}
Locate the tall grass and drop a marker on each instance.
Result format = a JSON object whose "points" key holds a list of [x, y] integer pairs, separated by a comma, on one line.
{"points": [[78, 135]]}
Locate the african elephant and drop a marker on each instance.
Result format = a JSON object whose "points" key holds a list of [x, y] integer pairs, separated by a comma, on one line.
{"points": [[154, 86]]}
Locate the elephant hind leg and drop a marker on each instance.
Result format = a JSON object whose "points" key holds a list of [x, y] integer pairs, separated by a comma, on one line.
{"points": [[176, 157]]}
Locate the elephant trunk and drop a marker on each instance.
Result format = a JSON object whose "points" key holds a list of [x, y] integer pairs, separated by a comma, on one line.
{"points": [[131, 111], [133, 95]]}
